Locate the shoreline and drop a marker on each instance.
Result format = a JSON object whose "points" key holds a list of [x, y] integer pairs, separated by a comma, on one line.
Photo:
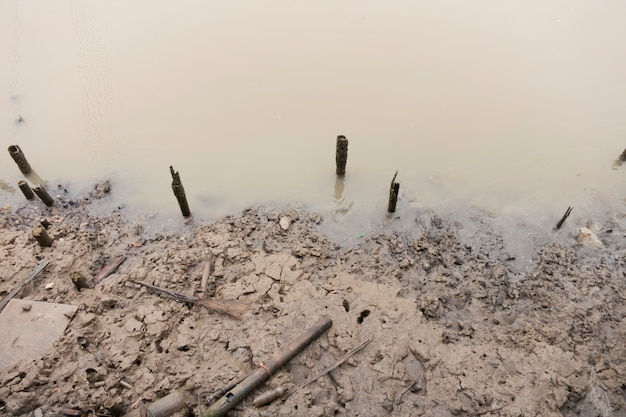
{"points": [[455, 328]]}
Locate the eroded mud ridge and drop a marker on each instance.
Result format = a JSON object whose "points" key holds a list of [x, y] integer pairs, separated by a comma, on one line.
{"points": [[454, 330]]}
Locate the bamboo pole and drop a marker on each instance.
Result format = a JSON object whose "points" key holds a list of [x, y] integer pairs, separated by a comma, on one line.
{"points": [[28, 192], [44, 196], [19, 158], [267, 369], [393, 194], [179, 192], [341, 154]]}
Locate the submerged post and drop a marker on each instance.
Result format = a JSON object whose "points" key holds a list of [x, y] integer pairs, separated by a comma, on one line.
{"points": [[393, 194], [179, 192], [341, 156], [44, 196], [28, 192], [19, 158]]}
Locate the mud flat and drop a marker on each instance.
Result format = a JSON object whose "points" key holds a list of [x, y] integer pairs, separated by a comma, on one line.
{"points": [[454, 329]]}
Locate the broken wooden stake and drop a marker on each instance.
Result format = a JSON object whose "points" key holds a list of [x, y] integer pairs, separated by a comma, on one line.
{"points": [[38, 270], [42, 237], [267, 369], [565, 216], [622, 157], [28, 192], [179, 192], [341, 156], [44, 196], [19, 158], [394, 189]]}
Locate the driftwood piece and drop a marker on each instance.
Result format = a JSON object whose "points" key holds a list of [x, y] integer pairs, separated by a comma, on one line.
{"points": [[168, 405], [267, 369], [209, 267], [109, 268], [233, 308], [38, 270]]}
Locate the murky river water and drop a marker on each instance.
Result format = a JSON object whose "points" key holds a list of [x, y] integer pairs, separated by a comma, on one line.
{"points": [[515, 107]]}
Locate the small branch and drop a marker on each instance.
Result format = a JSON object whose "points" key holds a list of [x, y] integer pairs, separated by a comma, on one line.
{"points": [[42, 265], [565, 216], [333, 366]]}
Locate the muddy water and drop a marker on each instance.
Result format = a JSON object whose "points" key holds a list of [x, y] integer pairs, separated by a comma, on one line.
{"points": [[513, 107]]}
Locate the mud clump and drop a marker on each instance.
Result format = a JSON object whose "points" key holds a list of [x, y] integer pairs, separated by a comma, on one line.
{"points": [[455, 329]]}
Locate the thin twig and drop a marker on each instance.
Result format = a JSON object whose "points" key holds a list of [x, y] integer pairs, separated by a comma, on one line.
{"points": [[411, 384], [565, 216], [333, 366]]}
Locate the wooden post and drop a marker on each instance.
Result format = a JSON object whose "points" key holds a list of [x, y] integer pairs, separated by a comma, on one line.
{"points": [[19, 158], [179, 192], [622, 157], [28, 192], [44, 196], [393, 194], [341, 156], [42, 237], [265, 370]]}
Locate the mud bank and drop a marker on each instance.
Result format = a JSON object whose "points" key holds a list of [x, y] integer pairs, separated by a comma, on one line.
{"points": [[454, 329]]}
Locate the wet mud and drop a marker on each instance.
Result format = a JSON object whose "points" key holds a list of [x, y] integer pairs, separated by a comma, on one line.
{"points": [[455, 328]]}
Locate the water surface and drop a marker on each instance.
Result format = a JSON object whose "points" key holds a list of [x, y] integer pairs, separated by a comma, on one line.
{"points": [[514, 107]]}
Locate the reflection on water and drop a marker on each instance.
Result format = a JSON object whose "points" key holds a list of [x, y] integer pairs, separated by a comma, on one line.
{"points": [[516, 108]]}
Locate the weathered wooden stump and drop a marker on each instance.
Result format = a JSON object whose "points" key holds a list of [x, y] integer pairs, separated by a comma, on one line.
{"points": [[341, 156], [19, 158], [44, 196], [42, 237], [28, 192]]}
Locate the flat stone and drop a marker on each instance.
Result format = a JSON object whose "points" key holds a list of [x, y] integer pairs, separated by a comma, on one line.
{"points": [[27, 334]]}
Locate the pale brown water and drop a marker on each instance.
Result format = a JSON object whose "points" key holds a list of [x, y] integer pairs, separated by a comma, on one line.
{"points": [[516, 107]]}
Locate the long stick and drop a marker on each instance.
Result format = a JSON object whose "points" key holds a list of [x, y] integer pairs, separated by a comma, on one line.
{"points": [[233, 308], [267, 369], [333, 366], [38, 270]]}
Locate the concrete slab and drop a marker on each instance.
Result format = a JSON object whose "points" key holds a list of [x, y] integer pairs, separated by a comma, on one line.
{"points": [[29, 328]]}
